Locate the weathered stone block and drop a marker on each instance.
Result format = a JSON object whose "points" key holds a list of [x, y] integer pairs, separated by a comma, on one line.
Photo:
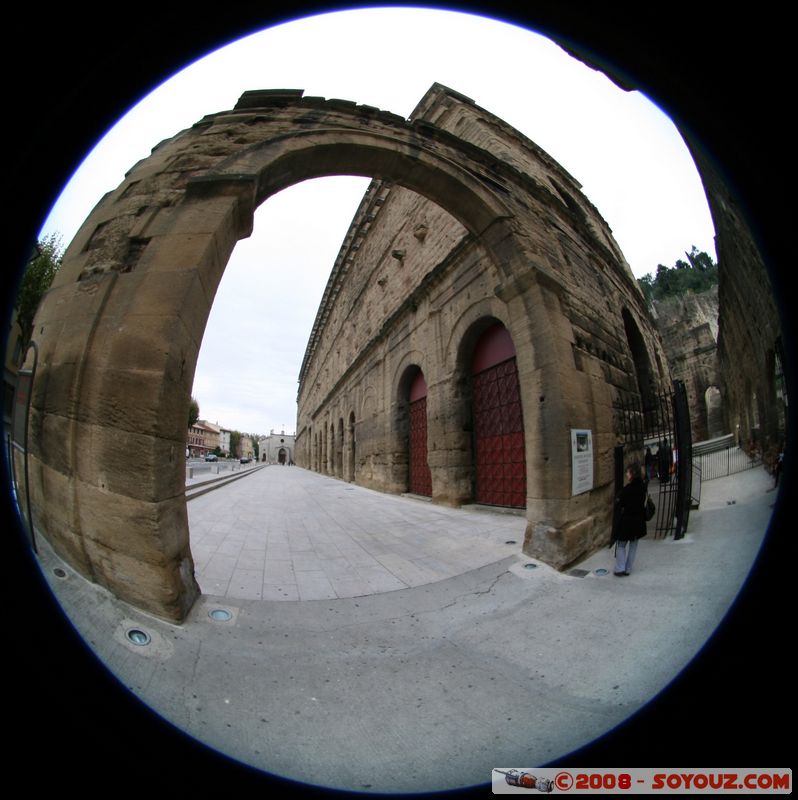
{"points": [[160, 296], [148, 468]]}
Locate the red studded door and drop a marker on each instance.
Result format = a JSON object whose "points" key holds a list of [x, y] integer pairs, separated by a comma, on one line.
{"points": [[499, 436], [420, 477]]}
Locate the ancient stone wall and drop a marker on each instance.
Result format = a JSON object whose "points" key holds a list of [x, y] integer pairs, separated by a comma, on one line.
{"points": [[412, 290], [751, 349]]}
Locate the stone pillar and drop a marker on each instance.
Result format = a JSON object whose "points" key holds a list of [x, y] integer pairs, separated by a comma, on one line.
{"points": [[118, 339], [449, 442]]}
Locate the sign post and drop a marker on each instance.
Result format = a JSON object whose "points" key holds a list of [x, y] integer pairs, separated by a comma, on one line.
{"points": [[581, 461]]}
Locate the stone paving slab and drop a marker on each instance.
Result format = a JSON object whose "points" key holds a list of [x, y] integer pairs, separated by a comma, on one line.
{"points": [[321, 538]]}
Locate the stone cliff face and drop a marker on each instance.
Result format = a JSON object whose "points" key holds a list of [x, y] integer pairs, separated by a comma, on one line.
{"points": [[688, 325]]}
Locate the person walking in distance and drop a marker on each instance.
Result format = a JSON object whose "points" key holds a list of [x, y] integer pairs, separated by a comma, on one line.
{"points": [[631, 525]]}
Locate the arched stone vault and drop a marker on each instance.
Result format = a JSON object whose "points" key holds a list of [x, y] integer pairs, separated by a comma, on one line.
{"points": [[119, 332]]}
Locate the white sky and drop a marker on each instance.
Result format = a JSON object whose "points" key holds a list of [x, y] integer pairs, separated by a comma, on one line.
{"points": [[628, 156]]}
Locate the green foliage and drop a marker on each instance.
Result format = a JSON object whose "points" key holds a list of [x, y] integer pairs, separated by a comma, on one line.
{"points": [[697, 274], [37, 279], [235, 442], [193, 412]]}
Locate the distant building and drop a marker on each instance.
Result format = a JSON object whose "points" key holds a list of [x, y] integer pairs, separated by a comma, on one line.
{"points": [[195, 441], [246, 448], [211, 435], [224, 441], [203, 438], [277, 448]]}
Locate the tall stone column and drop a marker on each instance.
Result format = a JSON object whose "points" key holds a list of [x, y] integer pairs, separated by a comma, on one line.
{"points": [[118, 339]]}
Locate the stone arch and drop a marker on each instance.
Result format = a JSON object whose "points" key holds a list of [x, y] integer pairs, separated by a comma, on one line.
{"points": [[339, 450], [458, 389], [409, 427], [120, 330], [472, 381], [368, 404], [266, 168], [640, 358]]}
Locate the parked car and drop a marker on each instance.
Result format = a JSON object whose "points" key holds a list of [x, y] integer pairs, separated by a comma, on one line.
{"points": [[211, 457], [245, 460]]}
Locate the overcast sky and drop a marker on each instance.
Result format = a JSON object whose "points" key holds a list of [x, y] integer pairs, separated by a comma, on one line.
{"points": [[628, 156]]}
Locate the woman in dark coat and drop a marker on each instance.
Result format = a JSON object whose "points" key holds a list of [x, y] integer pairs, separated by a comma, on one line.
{"points": [[631, 522]]}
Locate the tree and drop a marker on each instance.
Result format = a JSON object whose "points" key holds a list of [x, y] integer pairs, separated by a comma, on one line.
{"points": [[36, 280], [697, 274], [235, 440], [700, 260], [647, 285], [193, 412]]}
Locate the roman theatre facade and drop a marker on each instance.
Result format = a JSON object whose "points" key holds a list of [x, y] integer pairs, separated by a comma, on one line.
{"points": [[479, 312]]}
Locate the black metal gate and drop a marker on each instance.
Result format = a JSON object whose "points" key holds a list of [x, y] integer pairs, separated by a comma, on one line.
{"points": [[656, 433]]}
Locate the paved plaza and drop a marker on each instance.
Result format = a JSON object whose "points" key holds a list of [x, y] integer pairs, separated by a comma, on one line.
{"points": [[373, 643], [285, 533]]}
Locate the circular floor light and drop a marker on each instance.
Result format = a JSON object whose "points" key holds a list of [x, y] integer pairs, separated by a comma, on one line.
{"points": [[220, 615], [138, 637], [530, 566], [601, 571], [59, 573]]}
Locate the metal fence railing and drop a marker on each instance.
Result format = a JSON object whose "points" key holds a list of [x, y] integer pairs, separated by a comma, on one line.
{"points": [[722, 457], [695, 487]]}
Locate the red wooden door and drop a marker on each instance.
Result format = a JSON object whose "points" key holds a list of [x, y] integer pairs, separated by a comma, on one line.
{"points": [[499, 434], [420, 477]]}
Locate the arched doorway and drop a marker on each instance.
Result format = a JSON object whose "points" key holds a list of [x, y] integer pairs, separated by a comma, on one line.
{"points": [[281, 456], [420, 479], [339, 451], [352, 448], [640, 358], [499, 452]]}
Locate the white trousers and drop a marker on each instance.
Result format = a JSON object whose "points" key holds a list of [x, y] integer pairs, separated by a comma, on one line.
{"points": [[625, 555]]}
